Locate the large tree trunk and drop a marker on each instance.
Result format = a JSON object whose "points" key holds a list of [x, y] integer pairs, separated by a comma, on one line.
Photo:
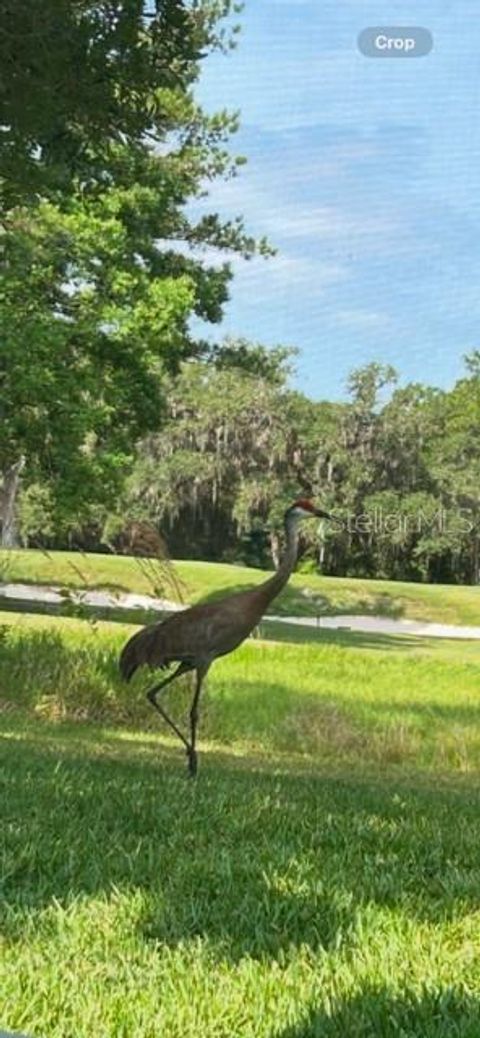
{"points": [[8, 498]]}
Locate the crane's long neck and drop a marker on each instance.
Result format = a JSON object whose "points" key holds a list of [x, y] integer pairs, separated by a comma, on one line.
{"points": [[274, 585]]}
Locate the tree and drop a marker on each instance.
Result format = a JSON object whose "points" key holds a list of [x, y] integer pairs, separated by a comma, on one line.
{"points": [[454, 460], [271, 364], [79, 77], [101, 274], [82, 355], [346, 453], [224, 461]]}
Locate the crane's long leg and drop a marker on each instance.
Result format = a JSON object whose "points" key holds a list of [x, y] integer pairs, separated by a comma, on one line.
{"points": [[152, 697], [192, 753]]}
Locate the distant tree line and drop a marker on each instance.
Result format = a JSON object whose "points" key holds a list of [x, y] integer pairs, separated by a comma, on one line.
{"points": [[400, 465]]}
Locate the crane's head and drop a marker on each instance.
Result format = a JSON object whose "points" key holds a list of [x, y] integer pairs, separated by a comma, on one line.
{"points": [[303, 508]]}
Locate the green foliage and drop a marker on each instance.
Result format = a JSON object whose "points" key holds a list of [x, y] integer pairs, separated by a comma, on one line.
{"points": [[270, 365], [224, 452], [238, 444], [102, 269], [35, 512], [403, 471], [80, 78]]}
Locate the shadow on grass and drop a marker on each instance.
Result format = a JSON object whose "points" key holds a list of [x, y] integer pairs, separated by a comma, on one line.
{"points": [[375, 1012], [294, 633], [255, 861], [296, 601]]}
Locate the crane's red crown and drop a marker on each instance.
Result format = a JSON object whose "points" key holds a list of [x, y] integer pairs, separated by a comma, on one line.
{"points": [[304, 502]]}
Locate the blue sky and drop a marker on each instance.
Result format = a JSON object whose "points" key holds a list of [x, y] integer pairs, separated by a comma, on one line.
{"points": [[365, 174]]}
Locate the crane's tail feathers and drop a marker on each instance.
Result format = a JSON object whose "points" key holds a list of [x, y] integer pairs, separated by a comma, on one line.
{"points": [[138, 651], [128, 661], [153, 646]]}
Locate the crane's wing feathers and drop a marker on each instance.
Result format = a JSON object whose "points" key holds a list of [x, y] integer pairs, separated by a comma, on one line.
{"points": [[196, 635]]}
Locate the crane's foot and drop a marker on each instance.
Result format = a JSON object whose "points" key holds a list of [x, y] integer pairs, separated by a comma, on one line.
{"points": [[192, 762]]}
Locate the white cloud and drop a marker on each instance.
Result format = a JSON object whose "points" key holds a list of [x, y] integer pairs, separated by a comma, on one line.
{"points": [[262, 278], [326, 222], [363, 319]]}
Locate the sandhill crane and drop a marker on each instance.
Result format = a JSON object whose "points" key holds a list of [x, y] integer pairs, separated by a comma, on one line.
{"points": [[195, 637]]}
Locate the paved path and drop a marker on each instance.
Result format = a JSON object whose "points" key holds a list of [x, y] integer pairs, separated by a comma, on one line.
{"points": [[25, 593], [382, 625], [101, 599]]}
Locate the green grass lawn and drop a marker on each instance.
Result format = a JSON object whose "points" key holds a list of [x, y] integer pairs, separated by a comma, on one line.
{"points": [[345, 693], [191, 581], [320, 878]]}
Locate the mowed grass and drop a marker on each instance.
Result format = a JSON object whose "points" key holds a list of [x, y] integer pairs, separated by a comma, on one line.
{"points": [[320, 878], [347, 693], [306, 594]]}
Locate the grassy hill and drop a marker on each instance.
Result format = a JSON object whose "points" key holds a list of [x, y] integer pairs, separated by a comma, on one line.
{"points": [[192, 581]]}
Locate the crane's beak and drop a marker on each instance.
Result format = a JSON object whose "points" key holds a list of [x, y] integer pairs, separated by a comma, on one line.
{"points": [[326, 515]]}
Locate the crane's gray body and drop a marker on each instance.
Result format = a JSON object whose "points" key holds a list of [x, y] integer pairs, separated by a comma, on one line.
{"points": [[195, 637]]}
